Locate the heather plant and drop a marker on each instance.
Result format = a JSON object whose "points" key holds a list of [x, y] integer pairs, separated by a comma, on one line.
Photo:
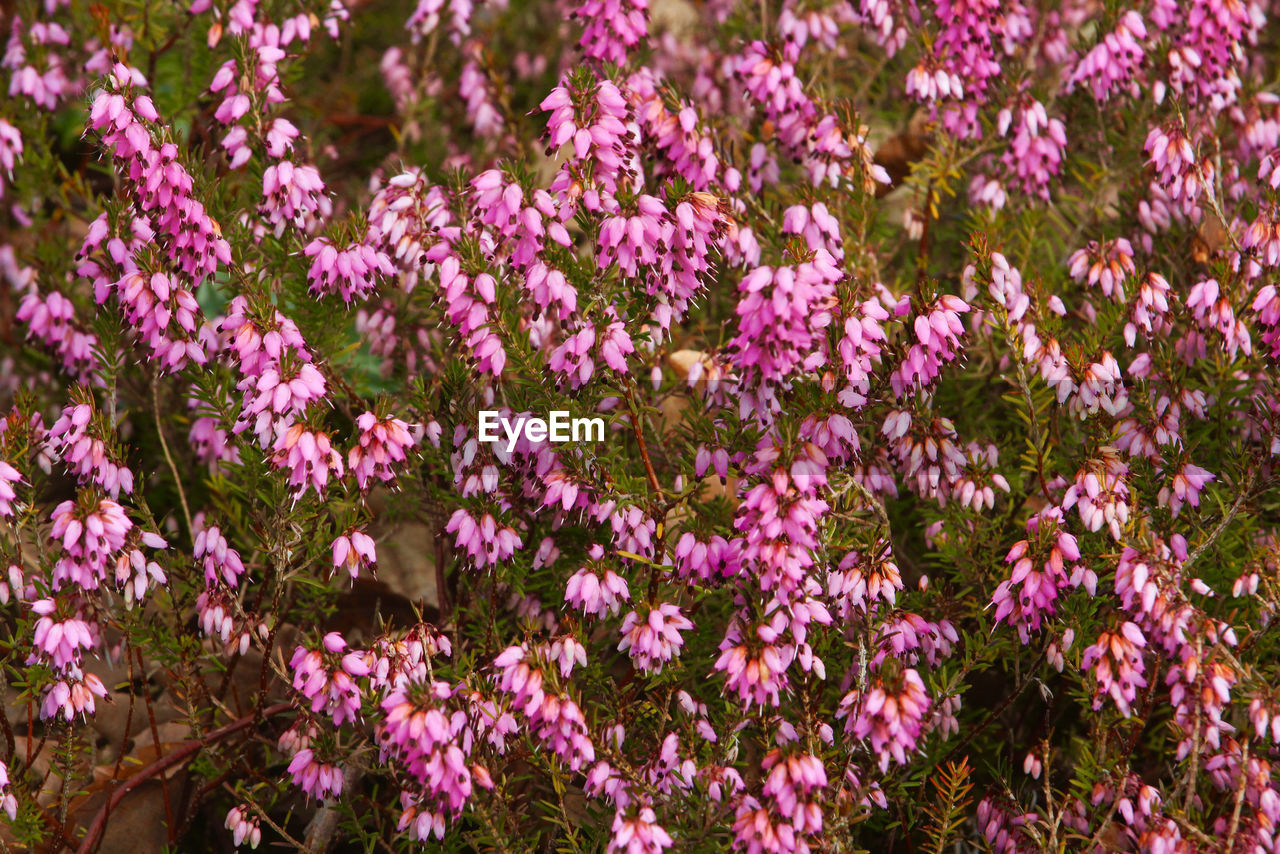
{"points": [[920, 359]]}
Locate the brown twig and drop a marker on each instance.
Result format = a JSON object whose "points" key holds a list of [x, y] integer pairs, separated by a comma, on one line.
{"points": [[442, 583], [644, 449], [155, 735], [1209, 843], [1239, 799], [297, 844], [198, 798], [189, 748], [9, 740], [922, 256]]}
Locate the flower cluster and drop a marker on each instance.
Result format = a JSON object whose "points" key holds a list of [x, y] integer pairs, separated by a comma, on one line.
{"points": [[920, 359]]}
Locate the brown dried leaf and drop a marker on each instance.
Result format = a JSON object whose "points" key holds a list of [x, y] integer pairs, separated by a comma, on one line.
{"points": [[1209, 238], [897, 153]]}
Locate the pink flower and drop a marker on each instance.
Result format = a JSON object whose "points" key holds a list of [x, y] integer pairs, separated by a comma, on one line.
{"points": [[318, 779], [595, 594], [278, 378], [77, 440], [676, 131], [244, 826], [135, 573], [715, 560], [432, 743], [1206, 45], [222, 564], [770, 78], [1042, 570], [933, 84], [10, 151], [1004, 830], [1102, 493], [638, 832], [293, 195], [89, 535], [8, 801], [883, 19], [793, 782], [779, 520], [219, 614], [1184, 488], [426, 17], [9, 476], [165, 315], [1115, 60], [655, 640], [1212, 309], [594, 122], [860, 350], [468, 306], [937, 332], [50, 318], [782, 314], [160, 185], [475, 89], [757, 674], [310, 458], [554, 718], [1037, 146], [861, 579], [13, 585], [615, 346], [890, 713], [1266, 304], [327, 678], [976, 486], [1150, 309], [611, 27], [1118, 666], [568, 652], [1107, 266], [573, 357], [73, 694], [352, 273], [486, 541], [60, 641], [926, 450], [381, 444], [352, 551], [1182, 175]]}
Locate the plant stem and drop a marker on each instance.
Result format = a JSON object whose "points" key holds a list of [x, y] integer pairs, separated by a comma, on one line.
{"points": [[1239, 799], [188, 749], [164, 445], [1227, 519], [644, 449]]}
